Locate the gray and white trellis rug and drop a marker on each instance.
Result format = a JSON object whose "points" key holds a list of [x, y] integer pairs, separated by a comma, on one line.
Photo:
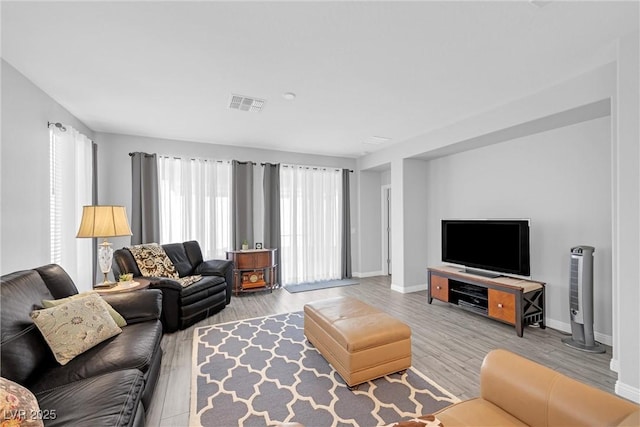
{"points": [[263, 371]]}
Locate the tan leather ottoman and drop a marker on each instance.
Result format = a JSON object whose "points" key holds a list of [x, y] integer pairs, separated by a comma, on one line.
{"points": [[360, 342]]}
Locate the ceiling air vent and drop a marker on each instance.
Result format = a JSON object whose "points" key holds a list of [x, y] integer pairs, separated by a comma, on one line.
{"points": [[245, 103], [376, 140]]}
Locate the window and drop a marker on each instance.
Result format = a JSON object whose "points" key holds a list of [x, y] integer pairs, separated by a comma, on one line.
{"points": [[311, 225], [70, 183], [194, 198]]}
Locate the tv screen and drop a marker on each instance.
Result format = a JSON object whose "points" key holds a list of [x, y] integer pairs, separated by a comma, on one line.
{"points": [[495, 245]]}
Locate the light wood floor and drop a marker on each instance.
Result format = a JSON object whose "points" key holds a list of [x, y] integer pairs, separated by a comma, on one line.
{"points": [[448, 343]]}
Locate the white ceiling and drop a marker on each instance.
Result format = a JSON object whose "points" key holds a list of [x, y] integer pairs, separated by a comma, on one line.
{"points": [[359, 69]]}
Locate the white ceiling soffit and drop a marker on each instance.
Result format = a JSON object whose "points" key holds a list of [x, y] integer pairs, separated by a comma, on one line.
{"points": [[395, 69]]}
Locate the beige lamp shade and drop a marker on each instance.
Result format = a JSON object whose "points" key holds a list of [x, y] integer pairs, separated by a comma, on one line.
{"points": [[104, 221]]}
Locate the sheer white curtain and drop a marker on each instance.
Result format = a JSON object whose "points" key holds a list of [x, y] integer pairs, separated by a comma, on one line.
{"points": [[310, 212], [194, 197], [70, 173]]}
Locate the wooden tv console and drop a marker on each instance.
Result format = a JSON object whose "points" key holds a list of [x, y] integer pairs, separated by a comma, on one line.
{"points": [[510, 300]]}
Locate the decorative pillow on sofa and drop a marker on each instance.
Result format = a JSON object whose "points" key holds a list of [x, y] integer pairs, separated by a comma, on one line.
{"points": [[74, 327], [153, 261], [48, 303], [18, 406]]}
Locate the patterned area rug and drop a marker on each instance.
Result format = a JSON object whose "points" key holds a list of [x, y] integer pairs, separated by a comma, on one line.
{"points": [[259, 372]]}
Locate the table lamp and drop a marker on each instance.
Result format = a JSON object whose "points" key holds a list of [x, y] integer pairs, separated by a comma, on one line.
{"points": [[104, 221]]}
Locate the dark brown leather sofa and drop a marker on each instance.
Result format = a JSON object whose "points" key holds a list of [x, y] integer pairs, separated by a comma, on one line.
{"points": [[109, 384], [182, 307]]}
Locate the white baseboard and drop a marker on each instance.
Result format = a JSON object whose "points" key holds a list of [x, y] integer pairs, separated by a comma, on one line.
{"points": [[627, 391], [553, 324], [566, 327], [409, 289], [367, 274], [614, 365]]}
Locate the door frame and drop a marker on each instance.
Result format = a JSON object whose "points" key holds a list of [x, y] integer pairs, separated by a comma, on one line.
{"points": [[385, 227]]}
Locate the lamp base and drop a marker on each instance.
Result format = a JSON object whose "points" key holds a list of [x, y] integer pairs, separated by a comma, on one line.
{"points": [[105, 256]]}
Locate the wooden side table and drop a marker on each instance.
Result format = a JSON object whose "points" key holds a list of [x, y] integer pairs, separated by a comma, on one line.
{"points": [[253, 270], [122, 287]]}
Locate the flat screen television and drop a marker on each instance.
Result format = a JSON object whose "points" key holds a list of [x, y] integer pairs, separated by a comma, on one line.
{"points": [[497, 245]]}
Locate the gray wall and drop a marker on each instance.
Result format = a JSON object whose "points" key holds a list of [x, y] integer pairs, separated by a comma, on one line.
{"points": [[370, 223], [561, 181], [25, 170], [414, 222], [385, 177]]}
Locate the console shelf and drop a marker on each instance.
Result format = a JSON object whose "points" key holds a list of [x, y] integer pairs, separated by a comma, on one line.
{"points": [[253, 270], [517, 302]]}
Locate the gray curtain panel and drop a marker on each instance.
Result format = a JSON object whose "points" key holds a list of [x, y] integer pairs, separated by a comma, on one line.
{"points": [[145, 209], [346, 226], [271, 190], [242, 202]]}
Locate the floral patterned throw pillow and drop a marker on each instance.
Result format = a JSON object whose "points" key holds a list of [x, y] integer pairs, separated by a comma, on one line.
{"points": [[153, 261], [18, 406], [74, 327], [48, 303]]}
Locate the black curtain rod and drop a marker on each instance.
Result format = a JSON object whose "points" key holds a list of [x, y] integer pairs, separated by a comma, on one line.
{"points": [[254, 163], [309, 167], [62, 128], [58, 125], [178, 158], [146, 154]]}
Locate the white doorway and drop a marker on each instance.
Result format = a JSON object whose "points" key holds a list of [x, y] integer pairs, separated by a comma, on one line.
{"points": [[386, 229]]}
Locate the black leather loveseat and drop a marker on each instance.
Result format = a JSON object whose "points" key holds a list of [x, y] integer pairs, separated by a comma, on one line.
{"points": [[184, 306], [110, 384]]}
